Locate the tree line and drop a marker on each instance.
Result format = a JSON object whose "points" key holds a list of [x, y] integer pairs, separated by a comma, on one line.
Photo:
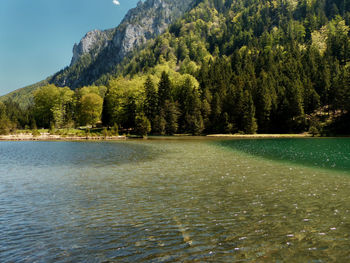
{"points": [[218, 100]]}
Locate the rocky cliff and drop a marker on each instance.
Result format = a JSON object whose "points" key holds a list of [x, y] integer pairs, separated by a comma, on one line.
{"points": [[93, 42], [99, 52]]}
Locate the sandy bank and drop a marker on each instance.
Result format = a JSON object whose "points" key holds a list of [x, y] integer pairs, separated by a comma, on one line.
{"points": [[253, 136], [49, 137]]}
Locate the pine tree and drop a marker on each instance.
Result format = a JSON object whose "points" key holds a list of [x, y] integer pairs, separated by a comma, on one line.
{"points": [[171, 114], [160, 123], [129, 113], [216, 111], [106, 115], [164, 90], [264, 102], [197, 123], [205, 108], [249, 121], [151, 102]]}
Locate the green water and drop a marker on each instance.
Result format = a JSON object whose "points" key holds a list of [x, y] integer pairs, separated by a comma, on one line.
{"points": [[333, 154], [174, 201]]}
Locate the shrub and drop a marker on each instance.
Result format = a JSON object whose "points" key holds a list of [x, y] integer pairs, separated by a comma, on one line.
{"points": [[36, 133], [115, 130], [314, 131], [143, 125], [105, 133]]}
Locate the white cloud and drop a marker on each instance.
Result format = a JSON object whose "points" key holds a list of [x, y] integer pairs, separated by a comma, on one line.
{"points": [[116, 2]]}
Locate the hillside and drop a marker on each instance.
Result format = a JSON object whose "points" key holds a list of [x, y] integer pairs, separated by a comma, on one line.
{"points": [[263, 66], [23, 96], [99, 52]]}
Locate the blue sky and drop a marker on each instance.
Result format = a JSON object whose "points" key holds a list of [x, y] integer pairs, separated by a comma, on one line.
{"points": [[37, 36]]}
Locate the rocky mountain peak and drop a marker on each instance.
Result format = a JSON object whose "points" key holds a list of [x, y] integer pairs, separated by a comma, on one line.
{"points": [[94, 40], [106, 49]]}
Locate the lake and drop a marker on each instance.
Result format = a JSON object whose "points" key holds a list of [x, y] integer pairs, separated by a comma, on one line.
{"points": [[176, 200]]}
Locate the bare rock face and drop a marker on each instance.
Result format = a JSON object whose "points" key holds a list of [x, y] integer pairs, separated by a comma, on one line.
{"points": [[157, 15], [94, 40], [100, 51]]}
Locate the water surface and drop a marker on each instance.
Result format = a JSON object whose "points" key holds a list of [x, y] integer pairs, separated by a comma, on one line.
{"points": [[172, 201], [327, 153]]}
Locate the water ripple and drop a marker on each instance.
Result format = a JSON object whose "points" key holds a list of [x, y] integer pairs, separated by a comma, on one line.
{"points": [[173, 201]]}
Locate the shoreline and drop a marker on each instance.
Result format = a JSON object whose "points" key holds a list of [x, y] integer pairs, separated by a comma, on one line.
{"points": [[49, 137], [266, 136]]}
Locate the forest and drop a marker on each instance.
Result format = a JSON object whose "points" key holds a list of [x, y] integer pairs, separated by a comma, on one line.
{"points": [[229, 66]]}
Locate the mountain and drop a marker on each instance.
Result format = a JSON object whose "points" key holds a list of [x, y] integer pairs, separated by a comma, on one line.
{"points": [[99, 52], [221, 66], [92, 43], [265, 66]]}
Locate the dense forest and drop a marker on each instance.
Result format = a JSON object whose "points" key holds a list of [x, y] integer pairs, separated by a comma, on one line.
{"points": [[224, 67]]}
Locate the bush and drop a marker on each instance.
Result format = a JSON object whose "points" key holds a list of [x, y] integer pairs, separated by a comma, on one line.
{"points": [[52, 129], [314, 131], [36, 133], [105, 133], [143, 125], [115, 130], [4, 131], [6, 126]]}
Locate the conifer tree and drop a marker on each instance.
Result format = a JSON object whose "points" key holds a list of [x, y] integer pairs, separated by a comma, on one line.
{"points": [[164, 90], [264, 102], [249, 121], [106, 114], [171, 114], [151, 102], [160, 123]]}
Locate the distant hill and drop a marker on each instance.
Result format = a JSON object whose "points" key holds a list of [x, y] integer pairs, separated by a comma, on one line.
{"points": [[24, 96]]}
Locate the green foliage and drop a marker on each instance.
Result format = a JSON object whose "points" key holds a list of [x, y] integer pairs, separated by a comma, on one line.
{"points": [[150, 106], [159, 123], [171, 114], [249, 121], [115, 130], [90, 109], [224, 67], [142, 125], [99, 90], [36, 133], [314, 131], [52, 129], [24, 96], [105, 133], [4, 122], [190, 118], [123, 99], [5, 126], [51, 104], [164, 90]]}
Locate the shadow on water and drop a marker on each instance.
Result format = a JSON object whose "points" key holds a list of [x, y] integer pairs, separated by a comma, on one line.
{"points": [[327, 153], [37, 154]]}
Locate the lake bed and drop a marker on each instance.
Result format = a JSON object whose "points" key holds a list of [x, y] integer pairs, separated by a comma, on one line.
{"points": [[171, 200]]}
